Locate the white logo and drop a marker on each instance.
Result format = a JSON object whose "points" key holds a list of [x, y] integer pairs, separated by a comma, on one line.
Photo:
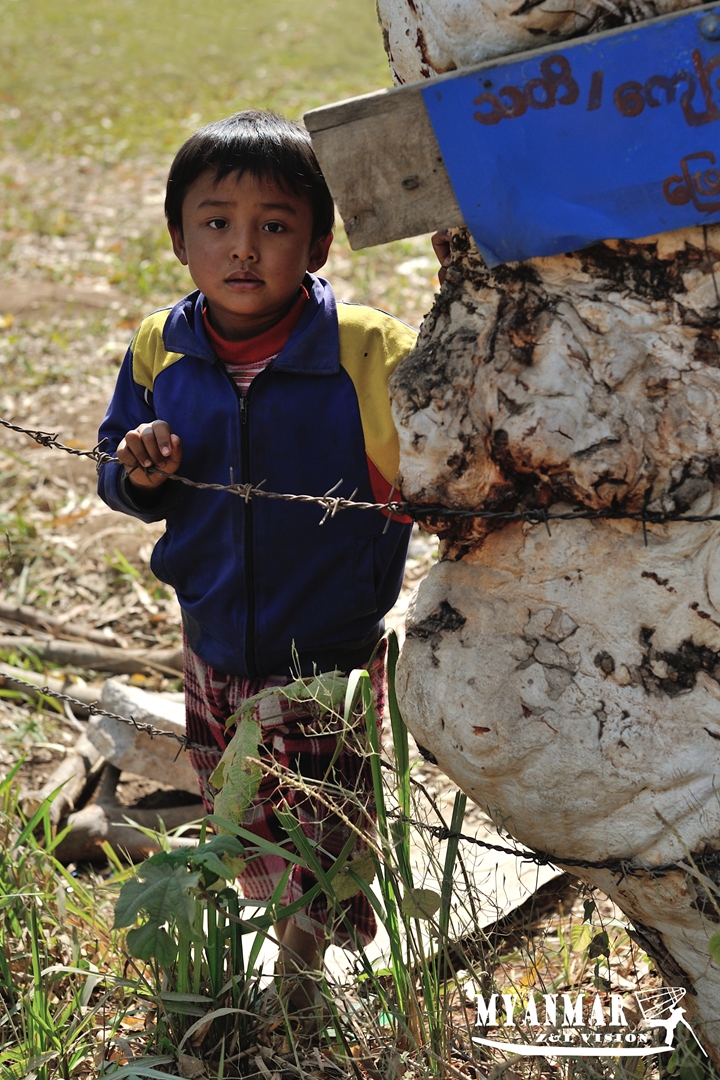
{"points": [[569, 1029]]}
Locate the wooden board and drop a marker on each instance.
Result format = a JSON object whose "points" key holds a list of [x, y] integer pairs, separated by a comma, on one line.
{"points": [[382, 159], [383, 166]]}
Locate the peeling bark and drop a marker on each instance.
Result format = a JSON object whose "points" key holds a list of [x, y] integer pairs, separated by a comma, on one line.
{"points": [[428, 37], [590, 377], [570, 683]]}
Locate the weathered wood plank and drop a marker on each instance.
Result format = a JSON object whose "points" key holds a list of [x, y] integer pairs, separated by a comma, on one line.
{"points": [[382, 163]]}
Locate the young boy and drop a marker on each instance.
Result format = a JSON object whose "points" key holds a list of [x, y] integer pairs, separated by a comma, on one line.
{"points": [[260, 377]]}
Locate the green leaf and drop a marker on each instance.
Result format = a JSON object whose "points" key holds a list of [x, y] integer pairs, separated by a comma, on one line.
{"points": [[580, 936], [236, 778], [221, 856], [178, 857], [141, 1067], [327, 690], [588, 910], [420, 903], [344, 884], [599, 946], [714, 947], [227, 869], [148, 941], [164, 896]]}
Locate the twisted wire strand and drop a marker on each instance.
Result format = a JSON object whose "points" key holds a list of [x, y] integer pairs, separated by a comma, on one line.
{"points": [[622, 867], [95, 710], [332, 504]]}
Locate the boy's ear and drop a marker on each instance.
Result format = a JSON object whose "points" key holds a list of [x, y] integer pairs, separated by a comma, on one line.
{"points": [[318, 252], [178, 243]]}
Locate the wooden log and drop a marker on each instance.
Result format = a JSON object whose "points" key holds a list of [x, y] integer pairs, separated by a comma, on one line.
{"points": [[41, 620], [106, 821], [93, 657], [71, 776]]}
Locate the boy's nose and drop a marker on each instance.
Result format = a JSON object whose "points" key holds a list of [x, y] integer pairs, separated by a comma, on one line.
{"points": [[243, 247]]}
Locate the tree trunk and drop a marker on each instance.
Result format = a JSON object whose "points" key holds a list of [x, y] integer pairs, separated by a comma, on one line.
{"points": [[570, 683]]}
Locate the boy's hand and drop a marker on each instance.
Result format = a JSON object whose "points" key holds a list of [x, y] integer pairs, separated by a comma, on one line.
{"points": [[146, 445], [441, 246]]}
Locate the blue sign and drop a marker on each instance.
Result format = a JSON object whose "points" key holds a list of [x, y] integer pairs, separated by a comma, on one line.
{"points": [[614, 136]]}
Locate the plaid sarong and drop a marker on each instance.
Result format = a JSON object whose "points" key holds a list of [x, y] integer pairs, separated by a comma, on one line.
{"points": [[294, 741]]}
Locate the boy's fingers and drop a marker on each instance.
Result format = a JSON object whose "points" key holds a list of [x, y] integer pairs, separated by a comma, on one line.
{"points": [[171, 463], [158, 434], [441, 246], [150, 445], [155, 443]]}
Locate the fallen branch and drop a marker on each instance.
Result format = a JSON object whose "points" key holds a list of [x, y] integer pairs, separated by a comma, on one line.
{"points": [[92, 657], [104, 821], [56, 625], [71, 775]]}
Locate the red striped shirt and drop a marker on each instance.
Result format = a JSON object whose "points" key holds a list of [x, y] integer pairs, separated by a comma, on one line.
{"points": [[246, 359]]}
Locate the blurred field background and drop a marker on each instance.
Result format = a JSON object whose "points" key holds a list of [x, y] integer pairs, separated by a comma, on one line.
{"points": [[95, 97]]}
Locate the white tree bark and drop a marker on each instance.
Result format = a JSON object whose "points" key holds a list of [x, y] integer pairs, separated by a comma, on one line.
{"points": [[571, 683], [428, 37]]}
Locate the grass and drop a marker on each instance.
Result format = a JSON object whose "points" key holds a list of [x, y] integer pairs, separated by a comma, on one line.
{"points": [[63, 997], [202, 944], [105, 78], [176, 985], [95, 94]]}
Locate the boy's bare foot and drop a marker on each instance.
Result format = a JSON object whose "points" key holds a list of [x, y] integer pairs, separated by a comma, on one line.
{"points": [[298, 967]]}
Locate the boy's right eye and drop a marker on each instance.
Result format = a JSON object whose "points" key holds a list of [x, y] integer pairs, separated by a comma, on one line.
{"points": [[218, 223]]}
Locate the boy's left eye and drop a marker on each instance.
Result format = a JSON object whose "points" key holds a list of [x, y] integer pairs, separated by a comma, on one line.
{"points": [[274, 227]]}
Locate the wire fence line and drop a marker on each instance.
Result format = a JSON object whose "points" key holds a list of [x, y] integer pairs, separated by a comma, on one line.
{"points": [[95, 710], [620, 867], [332, 504]]}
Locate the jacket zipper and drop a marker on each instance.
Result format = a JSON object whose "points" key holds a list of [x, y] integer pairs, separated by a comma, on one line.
{"points": [[249, 557], [243, 405]]}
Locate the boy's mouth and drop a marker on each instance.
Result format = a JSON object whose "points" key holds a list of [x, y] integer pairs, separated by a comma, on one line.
{"points": [[243, 279], [243, 275]]}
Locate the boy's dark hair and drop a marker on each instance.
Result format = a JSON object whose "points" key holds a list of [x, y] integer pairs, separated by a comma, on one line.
{"points": [[267, 146]]}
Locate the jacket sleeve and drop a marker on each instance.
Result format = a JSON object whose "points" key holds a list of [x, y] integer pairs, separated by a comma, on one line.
{"points": [[130, 406]]}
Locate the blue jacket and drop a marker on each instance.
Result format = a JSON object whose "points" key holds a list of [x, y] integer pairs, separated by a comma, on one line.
{"points": [[256, 580]]}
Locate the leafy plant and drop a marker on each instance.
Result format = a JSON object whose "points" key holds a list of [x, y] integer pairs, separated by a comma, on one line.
{"points": [[54, 943], [191, 919]]}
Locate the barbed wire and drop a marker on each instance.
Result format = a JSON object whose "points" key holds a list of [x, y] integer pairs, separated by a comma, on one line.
{"points": [[95, 710], [332, 504], [621, 867]]}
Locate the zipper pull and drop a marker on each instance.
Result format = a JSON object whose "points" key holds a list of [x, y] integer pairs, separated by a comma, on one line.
{"points": [[243, 410]]}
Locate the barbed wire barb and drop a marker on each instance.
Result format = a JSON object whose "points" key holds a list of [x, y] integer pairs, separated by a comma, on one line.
{"points": [[621, 867], [332, 504]]}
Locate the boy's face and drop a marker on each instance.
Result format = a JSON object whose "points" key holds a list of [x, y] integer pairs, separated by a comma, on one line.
{"points": [[247, 244]]}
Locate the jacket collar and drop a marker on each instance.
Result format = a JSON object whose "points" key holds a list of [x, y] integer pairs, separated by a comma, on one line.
{"points": [[310, 350]]}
